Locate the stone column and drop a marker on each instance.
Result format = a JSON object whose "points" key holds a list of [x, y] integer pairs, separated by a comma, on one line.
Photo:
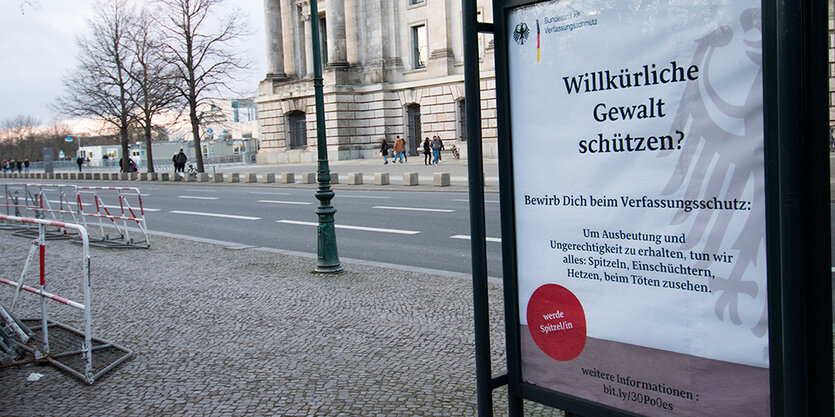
{"points": [[351, 31], [275, 43], [335, 20], [440, 51], [304, 11]]}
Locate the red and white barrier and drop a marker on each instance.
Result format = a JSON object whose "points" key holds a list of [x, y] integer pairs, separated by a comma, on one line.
{"points": [[39, 246], [36, 201]]}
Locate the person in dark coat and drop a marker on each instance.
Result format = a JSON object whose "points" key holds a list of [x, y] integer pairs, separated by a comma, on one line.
{"points": [[427, 151], [181, 159], [79, 161], [384, 150]]}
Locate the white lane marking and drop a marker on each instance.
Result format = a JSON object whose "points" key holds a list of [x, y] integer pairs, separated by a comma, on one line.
{"points": [[342, 226], [194, 197], [362, 196], [302, 203], [267, 193], [228, 216], [115, 207], [465, 237], [414, 209], [466, 200]]}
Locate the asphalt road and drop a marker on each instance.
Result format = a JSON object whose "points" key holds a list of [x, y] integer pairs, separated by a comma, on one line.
{"points": [[410, 228]]}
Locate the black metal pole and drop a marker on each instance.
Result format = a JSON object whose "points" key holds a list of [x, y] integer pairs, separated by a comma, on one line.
{"points": [[478, 248], [328, 257]]}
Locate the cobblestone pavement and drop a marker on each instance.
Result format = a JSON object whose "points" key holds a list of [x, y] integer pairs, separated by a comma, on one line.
{"points": [[225, 332]]}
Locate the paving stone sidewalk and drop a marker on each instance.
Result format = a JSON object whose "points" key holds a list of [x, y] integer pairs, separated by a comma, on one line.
{"points": [[223, 332]]}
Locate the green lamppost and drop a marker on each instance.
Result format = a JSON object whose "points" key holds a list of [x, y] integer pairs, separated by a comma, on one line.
{"points": [[328, 258]]}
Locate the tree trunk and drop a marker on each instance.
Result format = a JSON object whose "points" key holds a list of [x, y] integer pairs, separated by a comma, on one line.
{"points": [[149, 152], [123, 133], [195, 131]]}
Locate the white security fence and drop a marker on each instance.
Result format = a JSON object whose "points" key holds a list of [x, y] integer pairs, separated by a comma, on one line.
{"points": [[70, 355], [108, 208]]}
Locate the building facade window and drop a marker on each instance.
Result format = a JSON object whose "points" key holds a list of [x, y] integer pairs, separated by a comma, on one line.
{"points": [[419, 46], [297, 129], [415, 1], [323, 39]]}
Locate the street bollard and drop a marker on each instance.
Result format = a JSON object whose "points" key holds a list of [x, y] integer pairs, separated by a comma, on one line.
{"points": [[381, 178], [410, 178]]}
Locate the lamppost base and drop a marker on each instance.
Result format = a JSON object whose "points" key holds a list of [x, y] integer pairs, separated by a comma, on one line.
{"points": [[328, 269]]}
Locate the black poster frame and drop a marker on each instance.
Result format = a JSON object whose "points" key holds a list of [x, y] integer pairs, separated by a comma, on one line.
{"points": [[797, 195]]}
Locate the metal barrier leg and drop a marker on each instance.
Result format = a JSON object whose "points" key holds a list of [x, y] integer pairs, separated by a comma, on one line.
{"points": [[44, 317], [32, 251]]}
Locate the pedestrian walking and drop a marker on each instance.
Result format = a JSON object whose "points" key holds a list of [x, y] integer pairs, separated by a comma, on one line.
{"points": [[398, 149], [176, 164], [384, 151], [26, 165], [436, 150], [19, 166], [181, 159], [442, 148], [79, 161], [427, 150]]}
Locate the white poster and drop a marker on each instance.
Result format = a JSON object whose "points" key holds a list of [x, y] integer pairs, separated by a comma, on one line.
{"points": [[637, 131]]}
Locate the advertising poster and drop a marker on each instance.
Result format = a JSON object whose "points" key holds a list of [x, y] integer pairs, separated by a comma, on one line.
{"points": [[637, 140]]}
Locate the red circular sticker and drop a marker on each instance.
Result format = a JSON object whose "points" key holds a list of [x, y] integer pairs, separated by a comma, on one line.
{"points": [[557, 322]]}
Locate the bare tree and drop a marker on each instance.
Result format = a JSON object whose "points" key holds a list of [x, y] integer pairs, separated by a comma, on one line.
{"points": [[99, 87], [154, 77], [18, 136], [202, 53], [22, 137]]}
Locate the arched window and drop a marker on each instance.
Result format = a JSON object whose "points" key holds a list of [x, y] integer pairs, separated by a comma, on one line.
{"points": [[297, 129]]}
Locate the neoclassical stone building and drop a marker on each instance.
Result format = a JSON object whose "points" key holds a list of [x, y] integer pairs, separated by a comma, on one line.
{"points": [[391, 67]]}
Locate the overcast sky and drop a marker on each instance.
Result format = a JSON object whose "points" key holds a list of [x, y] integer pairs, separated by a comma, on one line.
{"points": [[38, 47]]}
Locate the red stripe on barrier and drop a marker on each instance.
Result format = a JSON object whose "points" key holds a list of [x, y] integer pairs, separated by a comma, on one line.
{"points": [[53, 297], [42, 262]]}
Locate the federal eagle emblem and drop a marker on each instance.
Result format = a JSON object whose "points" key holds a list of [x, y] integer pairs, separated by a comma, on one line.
{"points": [[521, 33]]}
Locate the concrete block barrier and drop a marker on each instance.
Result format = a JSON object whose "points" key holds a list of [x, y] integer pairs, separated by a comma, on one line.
{"points": [[176, 177], [233, 177], [113, 176], [153, 176], [355, 178], [202, 177], [268, 178], [288, 178], [133, 176], [410, 178], [218, 177], [309, 178], [250, 177], [123, 176], [441, 179], [334, 178], [88, 176], [381, 178], [143, 176]]}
